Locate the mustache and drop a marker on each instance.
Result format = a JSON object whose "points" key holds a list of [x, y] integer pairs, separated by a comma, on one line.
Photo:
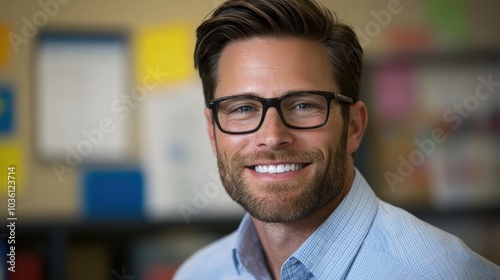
{"points": [[278, 155]]}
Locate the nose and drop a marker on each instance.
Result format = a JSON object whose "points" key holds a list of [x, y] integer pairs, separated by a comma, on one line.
{"points": [[273, 134]]}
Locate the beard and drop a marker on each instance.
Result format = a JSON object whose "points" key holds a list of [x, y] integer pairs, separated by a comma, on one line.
{"points": [[280, 202]]}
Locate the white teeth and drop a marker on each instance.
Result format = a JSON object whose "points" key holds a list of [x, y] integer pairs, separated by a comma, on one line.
{"points": [[280, 168]]}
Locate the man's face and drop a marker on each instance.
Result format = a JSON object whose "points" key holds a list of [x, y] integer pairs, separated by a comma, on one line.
{"points": [[316, 158]]}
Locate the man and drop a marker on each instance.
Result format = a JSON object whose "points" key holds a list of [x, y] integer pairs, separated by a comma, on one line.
{"points": [[281, 82]]}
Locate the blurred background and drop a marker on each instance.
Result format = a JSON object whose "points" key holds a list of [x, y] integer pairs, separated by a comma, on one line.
{"points": [[101, 114]]}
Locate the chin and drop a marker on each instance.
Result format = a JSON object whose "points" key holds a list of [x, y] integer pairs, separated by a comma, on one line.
{"points": [[279, 207]]}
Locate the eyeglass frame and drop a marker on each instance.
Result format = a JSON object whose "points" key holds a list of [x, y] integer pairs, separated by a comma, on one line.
{"points": [[276, 103]]}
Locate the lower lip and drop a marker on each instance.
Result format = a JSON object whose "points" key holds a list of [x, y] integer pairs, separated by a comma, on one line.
{"points": [[278, 176]]}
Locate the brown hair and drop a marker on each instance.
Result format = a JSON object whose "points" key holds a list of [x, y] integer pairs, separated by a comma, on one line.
{"points": [[243, 19]]}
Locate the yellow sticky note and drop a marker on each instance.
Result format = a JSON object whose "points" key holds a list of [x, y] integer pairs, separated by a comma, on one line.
{"points": [[4, 44], [10, 165], [164, 54]]}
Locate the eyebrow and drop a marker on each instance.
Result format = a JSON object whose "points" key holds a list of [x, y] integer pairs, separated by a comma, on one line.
{"points": [[257, 95]]}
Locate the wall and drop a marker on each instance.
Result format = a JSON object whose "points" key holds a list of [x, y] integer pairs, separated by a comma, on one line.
{"points": [[382, 25]]}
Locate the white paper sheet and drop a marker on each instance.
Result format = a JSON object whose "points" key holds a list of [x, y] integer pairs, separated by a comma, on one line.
{"points": [[181, 169]]}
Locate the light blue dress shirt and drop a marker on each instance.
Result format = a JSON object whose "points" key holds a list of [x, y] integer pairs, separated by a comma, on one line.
{"points": [[364, 238]]}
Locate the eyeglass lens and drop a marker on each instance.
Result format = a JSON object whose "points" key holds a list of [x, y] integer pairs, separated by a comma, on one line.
{"points": [[246, 113]]}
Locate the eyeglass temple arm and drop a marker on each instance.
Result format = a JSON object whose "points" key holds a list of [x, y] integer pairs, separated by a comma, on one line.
{"points": [[343, 98]]}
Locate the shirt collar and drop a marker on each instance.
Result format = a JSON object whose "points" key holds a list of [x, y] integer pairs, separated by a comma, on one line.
{"points": [[248, 254], [329, 252], [330, 249]]}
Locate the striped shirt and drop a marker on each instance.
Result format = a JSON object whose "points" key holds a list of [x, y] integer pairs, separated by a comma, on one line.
{"points": [[364, 238]]}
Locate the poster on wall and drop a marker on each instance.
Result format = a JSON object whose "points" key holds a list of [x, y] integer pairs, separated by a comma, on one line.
{"points": [[81, 85]]}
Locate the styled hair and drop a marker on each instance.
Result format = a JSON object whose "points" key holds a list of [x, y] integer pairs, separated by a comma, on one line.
{"points": [[236, 20]]}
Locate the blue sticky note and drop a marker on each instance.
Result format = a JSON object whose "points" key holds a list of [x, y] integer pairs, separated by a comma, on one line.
{"points": [[4, 250], [6, 110], [111, 194]]}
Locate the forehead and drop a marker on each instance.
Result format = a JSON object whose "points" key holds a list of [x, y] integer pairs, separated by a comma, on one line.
{"points": [[272, 66]]}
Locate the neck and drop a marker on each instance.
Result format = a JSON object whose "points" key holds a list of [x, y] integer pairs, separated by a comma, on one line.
{"points": [[281, 240]]}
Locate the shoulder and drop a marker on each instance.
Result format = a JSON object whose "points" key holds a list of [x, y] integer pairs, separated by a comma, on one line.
{"points": [[211, 262], [424, 249]]}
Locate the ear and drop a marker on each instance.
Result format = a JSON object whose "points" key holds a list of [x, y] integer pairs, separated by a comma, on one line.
{"points": [[358, 119], [210, 128]]}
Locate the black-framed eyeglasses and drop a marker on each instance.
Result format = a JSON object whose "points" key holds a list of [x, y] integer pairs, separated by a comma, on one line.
{"points": [[239, 114]]}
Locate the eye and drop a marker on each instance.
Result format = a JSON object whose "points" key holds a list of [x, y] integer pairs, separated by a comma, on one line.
{"points": [[239, 106], [243, 109], [303, 106]]}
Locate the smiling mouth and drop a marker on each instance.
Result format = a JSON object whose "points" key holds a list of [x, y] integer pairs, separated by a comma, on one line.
{"points": [[278, 168]]}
